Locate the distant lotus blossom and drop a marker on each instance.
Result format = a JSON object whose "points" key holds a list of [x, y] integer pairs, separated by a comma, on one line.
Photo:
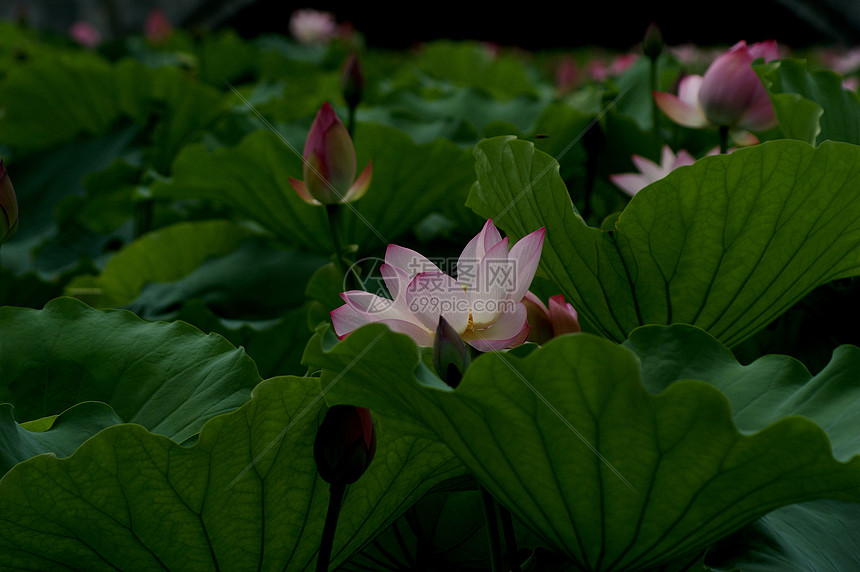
{"points": [[310, 26], [567, 75], [484, 305], [730, 94], [157, 28], [600, 70], [649, 171], [85, 34]]}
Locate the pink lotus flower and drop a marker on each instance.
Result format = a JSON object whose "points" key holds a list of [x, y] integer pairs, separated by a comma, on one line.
{"points": [[157, 28], [85, 34], [546, 323], [310, 26], [483, 305], [730, 93], [649, 171], [330, 164]]}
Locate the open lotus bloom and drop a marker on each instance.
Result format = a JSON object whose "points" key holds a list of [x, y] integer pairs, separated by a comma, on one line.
{"points": [[649, 171], [329, 163], [730, 93], [483, 304]]}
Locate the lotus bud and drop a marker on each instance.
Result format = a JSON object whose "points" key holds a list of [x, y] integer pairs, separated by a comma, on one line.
{"points": [[8, 206], [330, 164], [652, 45], [732, 94], [345, 444], [352, 81], [546, 323], [450, 355]]}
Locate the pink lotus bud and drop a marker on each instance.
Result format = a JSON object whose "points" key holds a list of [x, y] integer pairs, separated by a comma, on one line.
{"points": [[732, 94], [8, 206], [567, 75], [547, 323], [345, 444], [329, 163], [157, 28], [652, 44], [85, 34]]}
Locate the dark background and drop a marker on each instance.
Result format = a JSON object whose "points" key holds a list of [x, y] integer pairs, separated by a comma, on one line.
{"points": [[615, 25]]}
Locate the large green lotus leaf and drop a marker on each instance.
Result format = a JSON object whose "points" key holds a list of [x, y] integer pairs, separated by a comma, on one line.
{"points": [[474, 64], [52, 100], [45, 180], [246, 496], [811, 105], [727, 244], [168, 377], [154, 257], [811, 536], [65, 433], [572, 442]]}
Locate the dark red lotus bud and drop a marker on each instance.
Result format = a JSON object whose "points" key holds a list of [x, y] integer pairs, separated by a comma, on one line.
{"points": [[345, 444], [352, 81], [8, 206], [652, 45]]}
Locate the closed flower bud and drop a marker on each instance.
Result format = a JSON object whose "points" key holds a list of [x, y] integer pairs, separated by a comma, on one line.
{"points": [[8, 206], [352, 81], [652, 45], [546, 323], [732, 93], [450, 355], [345, 444], [330, 164]]}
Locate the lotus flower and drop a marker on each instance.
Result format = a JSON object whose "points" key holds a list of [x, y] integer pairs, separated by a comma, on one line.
{"points": [[649, 171], [730, 93], [8, 206], [85, 34], [157, 27], [309, 26], [483, 305], [329, 163], [547, 323]]}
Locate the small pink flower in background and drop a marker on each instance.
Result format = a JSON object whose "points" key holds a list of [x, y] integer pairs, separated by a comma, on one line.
{"points": [[484, 305], [85, 34], [157, 28], [310, 26], [649, 171], [547, 323], [851, 83], [730, 93], [568, 76], [601, 70], [329, 163]]}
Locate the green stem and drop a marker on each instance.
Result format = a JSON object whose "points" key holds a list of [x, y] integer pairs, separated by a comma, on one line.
{"points": [[489, 504], [143, 217], [510, 538], [654, 86], [350, 123], [331, 214], [724, 139], [336, 492]]}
